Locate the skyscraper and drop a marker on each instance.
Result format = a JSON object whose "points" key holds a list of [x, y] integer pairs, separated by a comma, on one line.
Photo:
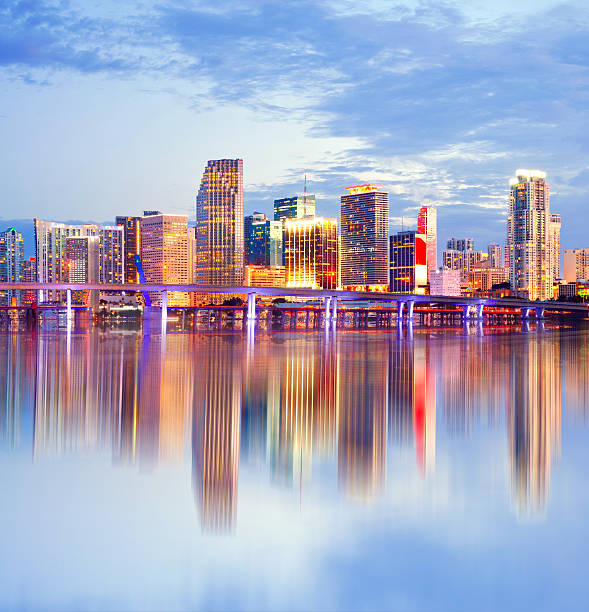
{"points": [[427, 225], [364, 234], [460, 244], [11, 262], [494, 251], [529, 235], [255, 217], [463, 260], [297, 207], [408, 269], [164, 253], [310, 253], [555, 246], [219, 223], [82, 260], [132, 235], [263, 241]]}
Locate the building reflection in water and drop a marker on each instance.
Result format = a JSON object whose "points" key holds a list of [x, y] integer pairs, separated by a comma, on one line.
{"points": [[361, 453], [215, 432], [288, 401]]}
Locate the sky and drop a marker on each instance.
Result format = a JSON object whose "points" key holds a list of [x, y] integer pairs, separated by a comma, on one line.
{"points": [[113, 108]]}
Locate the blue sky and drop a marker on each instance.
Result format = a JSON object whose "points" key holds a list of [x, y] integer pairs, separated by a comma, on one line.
{"points": [[111, 108]]}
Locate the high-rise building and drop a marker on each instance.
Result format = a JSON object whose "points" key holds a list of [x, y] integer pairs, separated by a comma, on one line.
{"points": [[263, 241], [555, 224], [255, 217], [529, 235], [444, 282], [297, 207], [462, 260], [310, 253], [408, 267], [219, 223], [482, 277], [50, 243], [30, 276], [460, 244], [164, 254], [11, 262], [132, 236], [494, 255], [264, 276], [364, 234], [427, 225], [576, 265], [82, 261]]}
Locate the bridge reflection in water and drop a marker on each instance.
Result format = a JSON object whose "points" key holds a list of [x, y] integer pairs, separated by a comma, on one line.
{"points": [[287, 402]]}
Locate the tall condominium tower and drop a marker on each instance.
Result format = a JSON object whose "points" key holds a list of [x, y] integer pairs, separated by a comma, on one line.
{"points": [[11, 262], [364, 235], [132, 234], [82, 260], [427, 224], [494, 251], [555, 246], [408, 269], [460, 244], [219, 223], [164, 253], [310, 253], [263, 241], [297, 207], [529, 235]]}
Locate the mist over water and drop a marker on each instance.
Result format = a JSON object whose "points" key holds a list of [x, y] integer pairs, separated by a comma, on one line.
{"points": [[289, 470]]}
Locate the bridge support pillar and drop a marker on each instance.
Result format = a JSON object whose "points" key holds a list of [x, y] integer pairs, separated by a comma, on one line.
{"points": [[410, 306], [334, 309], [540, 310], [327, 311], [479, 311], [164, 311], [69, 304], [251, 306], [466, 312], [526, 312], [400, 306]]}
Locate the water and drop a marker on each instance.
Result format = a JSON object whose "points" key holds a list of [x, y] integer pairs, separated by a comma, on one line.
{"points": [[357, 470]]}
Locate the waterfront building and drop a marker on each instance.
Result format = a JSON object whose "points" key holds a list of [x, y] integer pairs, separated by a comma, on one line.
{"points": [[408, 262], [264, 276], [444, 282], [482, 277], [263, 241], [462, 260], [555, 224], [576, 264], [11, 262], [460, 244], [310, 253], [297, 207], [428, 226], [364, 234], [164, 254], [82, 261], [529, 235], [30, 276], [576, 288], [219, 223], [494, 255], [255, 217], [132, 245]]}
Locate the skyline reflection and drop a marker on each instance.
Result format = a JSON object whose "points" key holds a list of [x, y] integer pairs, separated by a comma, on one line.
{"points": [[290, 400]]}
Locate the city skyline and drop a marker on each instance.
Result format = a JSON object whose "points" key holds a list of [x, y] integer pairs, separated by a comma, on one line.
{"points": [[409, 112]]}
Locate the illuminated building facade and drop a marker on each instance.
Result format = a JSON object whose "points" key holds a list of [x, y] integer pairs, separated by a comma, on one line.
{"points": [[82, 261], [444, 282], [219, 223], [555, 224], [11, 262], [297, 207], [427, 224], [263, 241], [164, 253], [462, 260], [310, 253], [460, 244], [132, 239], [408, 264], [256, 217], [364, 234], [529, 235], [483, 277], [576, 264], [494, 255], [30, 276], [264, 276]]}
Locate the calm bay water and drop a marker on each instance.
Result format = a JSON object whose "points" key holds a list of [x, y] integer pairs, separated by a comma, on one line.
{"points": [[357, 470]]}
